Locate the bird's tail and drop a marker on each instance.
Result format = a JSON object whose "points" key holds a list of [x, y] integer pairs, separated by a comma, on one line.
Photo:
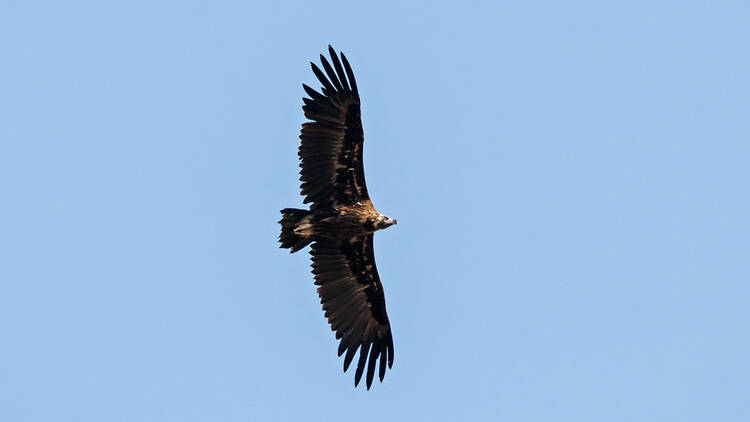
{"points": [[291, 219]]}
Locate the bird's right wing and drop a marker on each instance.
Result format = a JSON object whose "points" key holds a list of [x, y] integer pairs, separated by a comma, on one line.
{"points": [[332, 173]]}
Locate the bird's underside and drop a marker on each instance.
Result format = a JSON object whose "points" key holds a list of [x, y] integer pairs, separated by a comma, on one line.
{"points": [[341, 221]]}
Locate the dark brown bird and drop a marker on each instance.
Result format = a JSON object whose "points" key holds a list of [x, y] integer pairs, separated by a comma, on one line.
{"points": [[341, 220]]}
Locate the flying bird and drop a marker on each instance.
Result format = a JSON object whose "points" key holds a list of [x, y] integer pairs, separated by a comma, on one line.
{"points": [[341, 220]]}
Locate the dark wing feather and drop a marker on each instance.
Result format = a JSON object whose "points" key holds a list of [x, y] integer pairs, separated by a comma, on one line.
{"points": [[331, 150], [352, 296]]}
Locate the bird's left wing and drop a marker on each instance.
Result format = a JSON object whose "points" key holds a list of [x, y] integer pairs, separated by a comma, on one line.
{"points": [[353, 301]]}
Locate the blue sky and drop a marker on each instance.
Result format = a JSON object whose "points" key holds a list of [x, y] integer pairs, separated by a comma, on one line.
{"points": [[570, 180]]}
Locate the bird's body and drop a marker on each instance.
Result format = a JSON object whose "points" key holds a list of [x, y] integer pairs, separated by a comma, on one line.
{"points": [[344, 223], [341, 220]]}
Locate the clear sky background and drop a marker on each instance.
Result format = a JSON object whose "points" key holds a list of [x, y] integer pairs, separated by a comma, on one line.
{"points": [[571, 184]]}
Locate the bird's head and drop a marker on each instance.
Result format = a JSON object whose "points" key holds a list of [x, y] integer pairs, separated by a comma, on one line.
{"points": [[384, 222]]}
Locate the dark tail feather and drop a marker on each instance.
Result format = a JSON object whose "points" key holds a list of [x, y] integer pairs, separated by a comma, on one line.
{"points": [[289, 220]]}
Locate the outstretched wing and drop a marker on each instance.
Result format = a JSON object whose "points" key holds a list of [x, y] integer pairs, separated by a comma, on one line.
{"points": [[353, 301], [331, 150]]}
